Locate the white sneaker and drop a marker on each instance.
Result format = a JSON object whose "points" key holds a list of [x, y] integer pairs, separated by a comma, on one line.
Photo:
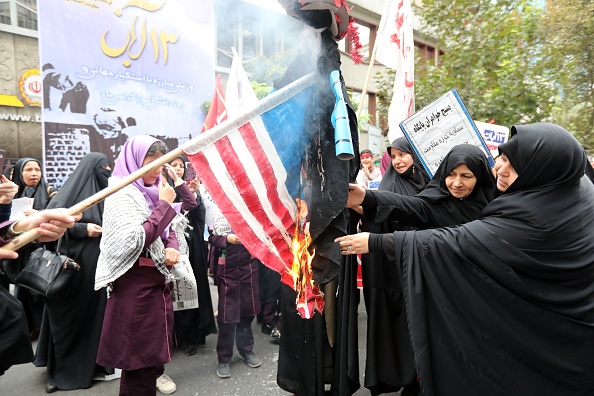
{"points": [[165, 384]]}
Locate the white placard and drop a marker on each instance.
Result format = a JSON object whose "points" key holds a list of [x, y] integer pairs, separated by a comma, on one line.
{"points": [[493, 135], [374, 136], [435, 129]]}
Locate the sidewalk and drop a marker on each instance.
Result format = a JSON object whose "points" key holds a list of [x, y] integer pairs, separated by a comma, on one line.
{"points": [[194, 375]]}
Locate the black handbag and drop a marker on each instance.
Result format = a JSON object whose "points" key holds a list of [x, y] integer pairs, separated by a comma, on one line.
{"points": [[10, 269], [48, 273]]}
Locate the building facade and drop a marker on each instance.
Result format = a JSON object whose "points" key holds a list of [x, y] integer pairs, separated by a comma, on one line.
{"points": [[262, 36], [20, 111]]}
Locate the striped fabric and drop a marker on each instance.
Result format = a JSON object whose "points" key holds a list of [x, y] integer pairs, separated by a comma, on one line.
{"points": [[123, 236], [246, 178]]}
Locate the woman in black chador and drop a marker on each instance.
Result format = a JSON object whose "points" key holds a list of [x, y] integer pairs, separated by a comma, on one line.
{"points": [[504, 305], [71, 327], [461, 187], [28, 176], [389, 363]]}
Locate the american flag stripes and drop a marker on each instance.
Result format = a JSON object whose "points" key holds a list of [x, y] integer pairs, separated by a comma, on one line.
{"points": [[246, 178]]}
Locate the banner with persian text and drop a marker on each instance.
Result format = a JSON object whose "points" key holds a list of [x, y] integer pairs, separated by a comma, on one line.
{"points": [[436, 128], [113, 69]]}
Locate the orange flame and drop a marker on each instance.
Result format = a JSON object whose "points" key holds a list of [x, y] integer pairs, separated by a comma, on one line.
{"points": [[309, 295]]}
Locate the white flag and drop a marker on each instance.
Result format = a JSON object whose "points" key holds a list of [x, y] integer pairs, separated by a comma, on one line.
{"points": [[386, 51], [395, 49]]}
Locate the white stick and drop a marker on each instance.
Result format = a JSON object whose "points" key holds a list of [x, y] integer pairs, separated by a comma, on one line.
{"points": [[198, 143], [364, 93]]}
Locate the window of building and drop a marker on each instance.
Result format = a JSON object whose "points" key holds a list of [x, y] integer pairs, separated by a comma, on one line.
{"points": [[370, 113], [253, 31], [31, 4], [367, 34], [26, 18], [364, 38], [250, 35], [19, 16], [5, 13], [428, 52]]}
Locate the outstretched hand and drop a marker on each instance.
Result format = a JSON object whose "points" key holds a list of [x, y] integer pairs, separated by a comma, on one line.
{"points": [[356, 196], [354, 244], [51, 224]]}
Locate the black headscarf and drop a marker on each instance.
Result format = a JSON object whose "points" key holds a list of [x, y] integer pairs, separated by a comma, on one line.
{"points": [[7, 171], [40, 194], [532, 156], [410, 182], [474, 158], [435, 206], [504, 305], [178, 197], [88, 178]]}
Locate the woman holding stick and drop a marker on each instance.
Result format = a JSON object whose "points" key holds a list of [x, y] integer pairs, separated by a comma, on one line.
{"points": [[137, 248], [15, 347]]}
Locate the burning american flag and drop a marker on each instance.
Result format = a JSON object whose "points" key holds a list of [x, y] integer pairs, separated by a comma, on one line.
{"points": [[245, 173]]}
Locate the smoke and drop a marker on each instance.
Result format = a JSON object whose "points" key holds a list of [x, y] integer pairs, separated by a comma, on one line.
{"points": [[266, 38], [311, 43]]}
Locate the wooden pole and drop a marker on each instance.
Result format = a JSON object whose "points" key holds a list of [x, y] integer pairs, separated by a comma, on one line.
{"points": [[364, 93], [198, 143]]}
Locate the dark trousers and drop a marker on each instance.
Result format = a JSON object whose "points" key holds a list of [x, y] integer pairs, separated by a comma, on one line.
{"points": [[244, 338], [141, 382], [269, 312]]}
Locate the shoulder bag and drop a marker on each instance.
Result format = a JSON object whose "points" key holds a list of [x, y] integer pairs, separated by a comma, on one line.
{"points": [[48, 273]]}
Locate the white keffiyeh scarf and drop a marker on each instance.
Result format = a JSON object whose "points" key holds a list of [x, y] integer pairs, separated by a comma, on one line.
{"points": [[123, 237], [179, 225]]}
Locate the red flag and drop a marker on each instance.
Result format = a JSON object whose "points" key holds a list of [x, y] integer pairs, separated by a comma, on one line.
{"points": [[218, 111], [246, 179]]}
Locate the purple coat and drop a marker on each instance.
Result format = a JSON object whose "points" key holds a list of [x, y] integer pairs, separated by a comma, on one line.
{"points": [[138, 325], [238, 282]]}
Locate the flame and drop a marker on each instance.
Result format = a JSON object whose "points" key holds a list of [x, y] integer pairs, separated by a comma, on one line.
{"points": [[309, 296]]}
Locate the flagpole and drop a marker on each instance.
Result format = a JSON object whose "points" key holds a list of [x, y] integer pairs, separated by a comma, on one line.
{"points": [[380, 33], [364, 93], [200, 142]]}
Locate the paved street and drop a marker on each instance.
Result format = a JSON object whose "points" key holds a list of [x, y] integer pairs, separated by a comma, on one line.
{"points": [[194, 375]]}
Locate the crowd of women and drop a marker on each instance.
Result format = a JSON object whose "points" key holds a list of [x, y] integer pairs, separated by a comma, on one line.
{"points": [[477, 280], [119, 311], [478, 284]]}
